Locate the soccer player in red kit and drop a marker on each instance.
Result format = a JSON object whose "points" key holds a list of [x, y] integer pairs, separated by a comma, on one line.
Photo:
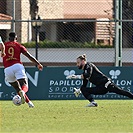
{"points": [[14, 70]]}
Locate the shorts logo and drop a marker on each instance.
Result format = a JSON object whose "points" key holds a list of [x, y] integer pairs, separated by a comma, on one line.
{"points": [[114, 74], [67, 72]]}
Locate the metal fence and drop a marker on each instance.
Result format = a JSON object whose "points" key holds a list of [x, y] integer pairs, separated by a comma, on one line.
{"points": [[57, 32]]}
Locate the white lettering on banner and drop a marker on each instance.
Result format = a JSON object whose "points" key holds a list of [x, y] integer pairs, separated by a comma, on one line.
{"points": [[109, 96], [51, 82], [6, 95], [128, 88], [61, 95], [57, 89], [35, 79], [63, 88], [65, 82], [50, 89], [60, 89], [13, 94], [123, 82]]}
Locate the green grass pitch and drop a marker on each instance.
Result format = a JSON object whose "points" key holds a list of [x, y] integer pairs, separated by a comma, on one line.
{"points": [[67, 116]]}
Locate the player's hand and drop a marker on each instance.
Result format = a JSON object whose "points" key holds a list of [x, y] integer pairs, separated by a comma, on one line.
{"points": [[40, 67], [77, 92], [73, 77], [3, 54]]}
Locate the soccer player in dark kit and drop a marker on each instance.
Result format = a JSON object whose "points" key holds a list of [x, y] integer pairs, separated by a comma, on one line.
{"points": [[102, 83]]}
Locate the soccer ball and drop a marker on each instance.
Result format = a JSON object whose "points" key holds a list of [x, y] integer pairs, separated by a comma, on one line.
{"points": [[17, 100]]}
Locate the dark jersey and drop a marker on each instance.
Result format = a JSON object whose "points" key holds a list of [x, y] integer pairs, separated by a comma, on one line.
{"points": [[94, 75]]}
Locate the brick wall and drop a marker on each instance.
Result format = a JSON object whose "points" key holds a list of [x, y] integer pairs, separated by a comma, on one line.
{"points": [[25, 15], [88, 8], [51, 9]]}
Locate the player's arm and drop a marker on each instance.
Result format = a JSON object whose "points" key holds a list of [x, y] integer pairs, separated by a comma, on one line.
{"points": [[33, 59], [85, 75], [75, 76], [2, 48]]}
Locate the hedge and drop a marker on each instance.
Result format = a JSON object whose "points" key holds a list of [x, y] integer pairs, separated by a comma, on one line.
{"points": [[65, 44]]}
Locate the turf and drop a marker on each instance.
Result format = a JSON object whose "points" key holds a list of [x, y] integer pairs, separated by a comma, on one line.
{"points": [[112, 116]]}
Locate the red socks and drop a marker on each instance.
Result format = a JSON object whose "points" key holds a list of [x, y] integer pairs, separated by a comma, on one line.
{"points": [[25, 89], [26, 98]]}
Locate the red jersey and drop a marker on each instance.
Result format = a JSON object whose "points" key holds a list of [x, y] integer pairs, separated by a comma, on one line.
{"points": [[13, 51]]}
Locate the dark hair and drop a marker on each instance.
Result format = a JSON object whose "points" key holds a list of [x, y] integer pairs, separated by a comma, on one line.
{"points": [[12, 35], [82, 57]]}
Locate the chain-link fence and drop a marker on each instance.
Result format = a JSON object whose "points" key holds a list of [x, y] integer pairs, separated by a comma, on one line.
{"points": [[56, 32]]}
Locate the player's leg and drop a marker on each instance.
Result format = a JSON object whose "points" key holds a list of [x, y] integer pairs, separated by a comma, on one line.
{"points": [[22, 79], [89, 97], [87, 91], [114, 88], [24, 85], [98, 90], [10, 78], [17, 87]]}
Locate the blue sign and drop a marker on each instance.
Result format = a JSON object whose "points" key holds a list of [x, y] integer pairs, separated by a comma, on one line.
{"points": [[52, 84]]}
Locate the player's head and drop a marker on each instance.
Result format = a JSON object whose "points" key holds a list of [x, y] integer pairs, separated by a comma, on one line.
{"points": [[12, 36], [81, 61]]}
